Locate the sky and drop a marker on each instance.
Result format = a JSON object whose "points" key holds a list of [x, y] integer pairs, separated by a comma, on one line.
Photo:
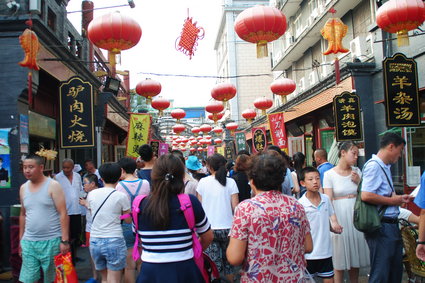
{"points": [[161, 22]]}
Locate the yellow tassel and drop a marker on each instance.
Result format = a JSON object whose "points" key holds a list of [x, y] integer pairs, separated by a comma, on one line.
{"points": [[262, 50]]}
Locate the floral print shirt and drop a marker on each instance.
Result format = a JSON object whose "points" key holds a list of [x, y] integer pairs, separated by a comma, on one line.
{"points": [[275, 226]]}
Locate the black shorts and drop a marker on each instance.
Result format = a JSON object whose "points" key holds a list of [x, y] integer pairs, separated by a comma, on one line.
{"points": [[322, 268]]}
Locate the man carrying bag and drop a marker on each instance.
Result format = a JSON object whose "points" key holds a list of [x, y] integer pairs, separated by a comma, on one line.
{"points": [[385, 244]]}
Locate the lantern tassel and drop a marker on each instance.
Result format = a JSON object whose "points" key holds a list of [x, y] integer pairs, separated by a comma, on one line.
{"points": [[30, 97], [263, 112], [283, 99], [262, 50], [402, 38]]}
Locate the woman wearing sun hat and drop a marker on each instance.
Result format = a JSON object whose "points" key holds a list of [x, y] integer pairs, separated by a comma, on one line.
{"points": [[193, 165]]}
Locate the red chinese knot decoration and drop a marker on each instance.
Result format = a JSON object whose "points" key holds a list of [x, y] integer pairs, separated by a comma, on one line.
{"points": [[189, 37], [400, 16], [260, 25]]}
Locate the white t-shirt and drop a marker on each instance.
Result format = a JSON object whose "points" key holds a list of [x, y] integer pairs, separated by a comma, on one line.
{"points": [[107, 223], [217, 201], [404, 214], [319, 226], [72, 192]]}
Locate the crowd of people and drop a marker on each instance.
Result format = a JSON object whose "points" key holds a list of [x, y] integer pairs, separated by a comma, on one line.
{"points": [[263, 217]]}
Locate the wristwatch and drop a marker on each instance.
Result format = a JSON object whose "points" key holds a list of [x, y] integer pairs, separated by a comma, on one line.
{"points": [[420, 242], [65, 242]]}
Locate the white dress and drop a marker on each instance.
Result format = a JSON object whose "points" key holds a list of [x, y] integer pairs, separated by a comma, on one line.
{"points": [[349, 248]]}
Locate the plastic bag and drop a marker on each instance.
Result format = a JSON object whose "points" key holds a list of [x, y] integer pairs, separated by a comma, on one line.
{"points": [[65, 270]]}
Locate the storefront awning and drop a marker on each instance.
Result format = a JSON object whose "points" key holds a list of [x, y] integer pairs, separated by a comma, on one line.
{"points": [[318, 101]]}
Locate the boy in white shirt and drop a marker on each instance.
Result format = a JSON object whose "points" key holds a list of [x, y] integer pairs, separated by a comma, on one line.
{"points": [[322, 219]]}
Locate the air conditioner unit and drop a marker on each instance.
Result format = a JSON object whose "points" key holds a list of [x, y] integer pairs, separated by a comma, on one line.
{"points": [[301, 85], [358, 46], [369, 45], [35, 6], [312, 78]]}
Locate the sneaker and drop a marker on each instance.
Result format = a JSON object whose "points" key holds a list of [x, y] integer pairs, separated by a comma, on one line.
{"points": [[91, 280]]}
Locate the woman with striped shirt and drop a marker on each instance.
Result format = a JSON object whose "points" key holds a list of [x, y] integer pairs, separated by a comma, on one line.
{"points": [[166, 238]]}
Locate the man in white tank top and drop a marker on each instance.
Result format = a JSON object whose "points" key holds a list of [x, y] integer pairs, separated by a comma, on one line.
{"points": [[43, 222]]}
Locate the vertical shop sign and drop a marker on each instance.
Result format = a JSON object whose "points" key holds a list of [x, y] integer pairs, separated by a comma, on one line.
{"points": [[401, 91], [259, 139], [155, 147], [278, 131], [76, 113], [24, 133], [5, 176], [220, 150], [163, 149], [138, 133], [347, 117], [240, 141]]}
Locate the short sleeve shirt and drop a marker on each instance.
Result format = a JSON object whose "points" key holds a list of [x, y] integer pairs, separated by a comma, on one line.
{"points": [[275, 226], [420, 198], [375, 181]]}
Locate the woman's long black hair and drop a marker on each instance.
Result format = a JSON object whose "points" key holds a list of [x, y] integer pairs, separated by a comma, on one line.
{"points": [[167, 181], [217, 162]]}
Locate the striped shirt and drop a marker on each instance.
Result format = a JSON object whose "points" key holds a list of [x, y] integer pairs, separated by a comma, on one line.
{"points": [[175, 243]]}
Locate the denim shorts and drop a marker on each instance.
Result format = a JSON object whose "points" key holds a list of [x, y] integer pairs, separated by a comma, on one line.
{"points": [[108, 253], [129, 236]]}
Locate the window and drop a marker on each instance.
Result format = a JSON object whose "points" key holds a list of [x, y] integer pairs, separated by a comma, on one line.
{"points": [[415, 154], [51, 19]]}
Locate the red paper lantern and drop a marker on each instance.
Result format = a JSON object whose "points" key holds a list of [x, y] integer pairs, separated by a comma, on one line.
{"points": [[223, 92], [199, 138], [263, 103], [178, 114], [192, 149], [249, 115], [148, 89], [160, 104], [218, 130], [177, 129], [218, 141], [114, 32], [260, 25], [283, 87], [232, 127], [214, 107], [218, 117], [184, 140], [195, 130], [206, 128], [400, 16], [193, 142], [200, 149]]}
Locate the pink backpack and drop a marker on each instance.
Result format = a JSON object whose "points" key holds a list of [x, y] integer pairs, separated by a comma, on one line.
{"points": [[135, 209]]}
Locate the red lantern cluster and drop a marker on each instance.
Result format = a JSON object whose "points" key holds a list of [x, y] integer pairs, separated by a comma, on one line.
{"points": [[178, 114], [260, 25], [400, 16], [249, 115], [283, 87], [148, 89], [114, 32], [263, 103], [160, 104]]}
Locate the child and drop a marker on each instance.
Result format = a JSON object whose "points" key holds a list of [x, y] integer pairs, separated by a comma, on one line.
{"points": [[319, 211], [90, 183]]}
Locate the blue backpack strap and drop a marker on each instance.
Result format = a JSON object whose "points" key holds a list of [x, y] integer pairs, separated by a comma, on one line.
{"points": [[138, 187], [128, 191]]}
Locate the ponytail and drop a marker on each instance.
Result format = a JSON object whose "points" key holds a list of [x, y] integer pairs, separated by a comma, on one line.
{"points": [[217, 162]]}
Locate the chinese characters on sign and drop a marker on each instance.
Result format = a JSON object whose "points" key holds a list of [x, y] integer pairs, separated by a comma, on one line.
{"points": [[138, 133], [76, 113], [259, 139], [347, 117], [240, 141], [163, 149], [401, 91], [229, 150], [277, 130]]}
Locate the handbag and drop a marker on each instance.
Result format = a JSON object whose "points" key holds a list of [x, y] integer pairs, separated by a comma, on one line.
{"points": [[366, 218], [65, 270]]}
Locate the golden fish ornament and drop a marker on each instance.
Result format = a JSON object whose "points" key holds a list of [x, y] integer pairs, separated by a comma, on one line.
{"points": [[334, 31], [29, 42]]}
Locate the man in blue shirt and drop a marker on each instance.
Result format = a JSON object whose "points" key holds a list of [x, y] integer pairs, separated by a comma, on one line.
{"points": [[420, 201], [321, 159], [385, 245]]}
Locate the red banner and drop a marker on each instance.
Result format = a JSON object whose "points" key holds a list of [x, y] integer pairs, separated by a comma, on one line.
{"points": [[277, 130]]}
